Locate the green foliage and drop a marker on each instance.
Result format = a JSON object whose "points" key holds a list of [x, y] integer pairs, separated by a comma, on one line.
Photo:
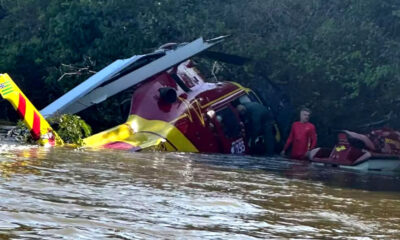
{"points": [[339, 57], [71, 128]]}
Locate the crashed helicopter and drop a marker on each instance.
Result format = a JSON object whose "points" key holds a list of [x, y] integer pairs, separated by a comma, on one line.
{"points": [[173, 108]]}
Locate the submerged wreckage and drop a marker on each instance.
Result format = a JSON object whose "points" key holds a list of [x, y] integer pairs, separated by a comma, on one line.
{"points": [[378, 150], [172, 108]]}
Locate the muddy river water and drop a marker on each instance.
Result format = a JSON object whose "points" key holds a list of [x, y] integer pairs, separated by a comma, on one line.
{"points": [[80, 194]]}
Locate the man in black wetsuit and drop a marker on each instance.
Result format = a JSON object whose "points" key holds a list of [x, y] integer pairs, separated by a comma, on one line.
{"points": [[259, 125]]}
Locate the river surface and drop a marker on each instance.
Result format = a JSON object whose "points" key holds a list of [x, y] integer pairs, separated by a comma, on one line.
{"points": [[80, 194]]}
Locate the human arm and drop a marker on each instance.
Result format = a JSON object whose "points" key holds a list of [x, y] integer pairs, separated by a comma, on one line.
{"points": [[313, 138]]}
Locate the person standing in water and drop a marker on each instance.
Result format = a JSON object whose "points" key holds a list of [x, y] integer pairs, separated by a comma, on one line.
{"points": [[302, 137], [259, 123]]}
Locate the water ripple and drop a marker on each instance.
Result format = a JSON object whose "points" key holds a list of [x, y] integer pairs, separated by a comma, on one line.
{"points": [[80, 194]]}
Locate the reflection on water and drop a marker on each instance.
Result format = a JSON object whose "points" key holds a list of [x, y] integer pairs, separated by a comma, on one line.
{"points": [[67, 193]]}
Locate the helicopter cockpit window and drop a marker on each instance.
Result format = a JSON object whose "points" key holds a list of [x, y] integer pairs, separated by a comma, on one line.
{"points": [[227, 118], [241, 99], [244, 98], [250, 97]]}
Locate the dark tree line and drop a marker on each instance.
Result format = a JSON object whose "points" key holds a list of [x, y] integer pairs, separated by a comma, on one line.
{"points": [[340, 58]]}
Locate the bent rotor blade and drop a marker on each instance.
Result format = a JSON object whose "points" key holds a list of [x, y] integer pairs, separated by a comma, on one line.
{"points": [[114, 78]]}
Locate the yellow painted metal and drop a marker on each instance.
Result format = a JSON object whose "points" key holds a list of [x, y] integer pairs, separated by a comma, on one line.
{"points": [[144, 133], [118, 133], [340, 148], [11, 92]]}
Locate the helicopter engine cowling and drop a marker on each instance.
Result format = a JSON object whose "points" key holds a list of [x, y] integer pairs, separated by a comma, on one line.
{"points": [[168, 95]]}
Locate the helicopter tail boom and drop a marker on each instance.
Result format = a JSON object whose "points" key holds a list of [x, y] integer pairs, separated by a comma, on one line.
{"points": [[40, 129]]}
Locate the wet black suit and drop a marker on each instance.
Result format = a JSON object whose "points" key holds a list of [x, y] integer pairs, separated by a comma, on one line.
{"points": [[259, 122]]}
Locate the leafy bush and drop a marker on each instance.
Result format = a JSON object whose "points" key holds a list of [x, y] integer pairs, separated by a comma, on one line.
{"points": [[71, 128]]}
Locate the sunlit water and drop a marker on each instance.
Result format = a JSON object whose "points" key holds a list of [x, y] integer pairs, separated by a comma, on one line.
{"points": [[81, 194]]}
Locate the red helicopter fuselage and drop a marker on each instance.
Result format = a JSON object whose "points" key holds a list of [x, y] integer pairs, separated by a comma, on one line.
{"points": [[173, 108], [204, 113]]}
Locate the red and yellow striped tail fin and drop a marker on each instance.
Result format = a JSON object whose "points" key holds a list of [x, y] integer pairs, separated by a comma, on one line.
{"points": [[41, 130]]}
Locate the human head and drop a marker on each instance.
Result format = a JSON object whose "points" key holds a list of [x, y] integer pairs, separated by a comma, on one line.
{"points": [[305, 115], [241, 109]]}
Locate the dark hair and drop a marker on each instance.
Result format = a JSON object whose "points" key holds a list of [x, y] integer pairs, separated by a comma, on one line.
{"points": [[305, 110]]}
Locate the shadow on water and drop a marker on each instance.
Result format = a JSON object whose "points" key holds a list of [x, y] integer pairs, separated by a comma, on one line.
{"points": [[304, 170]]}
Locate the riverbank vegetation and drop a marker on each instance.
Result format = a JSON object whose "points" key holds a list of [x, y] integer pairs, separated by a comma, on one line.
{"points": [[340, 58]]}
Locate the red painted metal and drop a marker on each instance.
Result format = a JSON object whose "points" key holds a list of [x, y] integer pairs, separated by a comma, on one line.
{"points": [[120, 146], [21, 106], [189, 112], [35, 132], [344, 153]]}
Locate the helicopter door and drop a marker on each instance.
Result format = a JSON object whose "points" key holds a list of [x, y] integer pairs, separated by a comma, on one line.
{"points": [[229, 131]]}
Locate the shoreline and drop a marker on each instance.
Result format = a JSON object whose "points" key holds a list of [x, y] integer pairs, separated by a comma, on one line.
{"points": [[4, 130], [6, 123]]}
